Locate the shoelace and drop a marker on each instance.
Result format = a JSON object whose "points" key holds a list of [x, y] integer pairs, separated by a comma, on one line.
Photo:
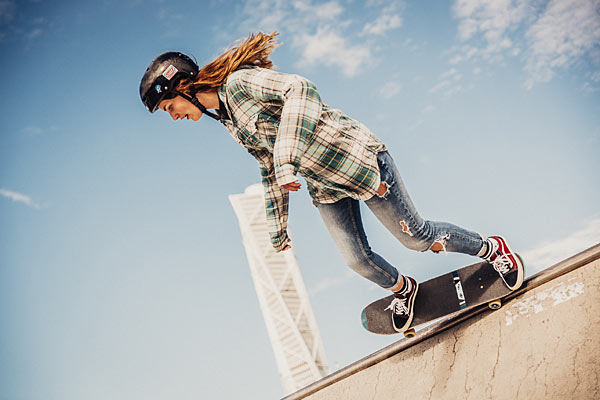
{"points": [[502, 264], [398, 306]]}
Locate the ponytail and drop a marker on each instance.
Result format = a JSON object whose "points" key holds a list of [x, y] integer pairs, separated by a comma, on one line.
{"points": [[253, 51]]}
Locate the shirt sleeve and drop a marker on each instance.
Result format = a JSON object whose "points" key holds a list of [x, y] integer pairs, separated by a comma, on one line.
{"points": [[276, 200], [302, 108]]}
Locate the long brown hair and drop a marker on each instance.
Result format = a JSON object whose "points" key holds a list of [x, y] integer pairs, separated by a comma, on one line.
{"points": [[253, 50]]}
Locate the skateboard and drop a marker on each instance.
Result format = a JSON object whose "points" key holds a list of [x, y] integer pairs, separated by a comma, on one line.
{"points": [[438, 297]]}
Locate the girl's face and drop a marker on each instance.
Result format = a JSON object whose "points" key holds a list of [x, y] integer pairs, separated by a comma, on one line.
{"points": [[180, 108]]}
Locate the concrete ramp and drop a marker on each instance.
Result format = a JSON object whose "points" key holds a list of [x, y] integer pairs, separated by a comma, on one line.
{"points": [[543, 343]]}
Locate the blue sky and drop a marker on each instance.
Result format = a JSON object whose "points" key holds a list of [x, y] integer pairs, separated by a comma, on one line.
{"points": [[122, 272]]}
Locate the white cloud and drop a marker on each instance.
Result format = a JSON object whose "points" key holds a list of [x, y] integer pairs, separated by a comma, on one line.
{"points": [[439, 86], [321, 32], [411, 45], [455, 60], [593, 82], [19, 198], [428, 109], [547, 34], [390, 18], [32, 130], [466, 53], [549, 253], [34, 33], [317, 31], [167, 14], [7, 11], [266, 15], [491, 18], [563, 35], [390, 89], [328, 10], [330, 48], [384, 23], [295, 17], [448, 86], [35, 130], [28, 28], [448, 73]]}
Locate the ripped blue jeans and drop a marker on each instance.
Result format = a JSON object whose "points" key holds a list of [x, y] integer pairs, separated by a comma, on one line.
{"points": [[398, 214]]}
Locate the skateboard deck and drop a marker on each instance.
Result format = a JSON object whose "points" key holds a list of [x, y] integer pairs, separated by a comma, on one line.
{"points": [[438, 297]]}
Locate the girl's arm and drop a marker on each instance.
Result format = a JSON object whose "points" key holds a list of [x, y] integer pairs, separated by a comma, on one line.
{"points": [[276, 201]]}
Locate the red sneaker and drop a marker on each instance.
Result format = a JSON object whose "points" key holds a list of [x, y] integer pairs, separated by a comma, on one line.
{"points": [[507, 263]]}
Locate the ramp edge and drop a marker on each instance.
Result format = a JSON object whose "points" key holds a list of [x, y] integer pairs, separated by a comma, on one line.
{"points": [[561, 268]]}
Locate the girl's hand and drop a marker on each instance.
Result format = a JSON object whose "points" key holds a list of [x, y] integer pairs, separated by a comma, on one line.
{"points": [[294, 186]]}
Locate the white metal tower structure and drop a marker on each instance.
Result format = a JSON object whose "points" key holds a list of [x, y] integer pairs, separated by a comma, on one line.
{"points": [[282, 296]]}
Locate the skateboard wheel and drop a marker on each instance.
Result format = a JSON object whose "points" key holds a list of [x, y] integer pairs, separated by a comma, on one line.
{"points": [[494, 305], [410, 333]]}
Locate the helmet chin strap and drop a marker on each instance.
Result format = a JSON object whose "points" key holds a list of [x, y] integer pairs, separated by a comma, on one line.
{"points": [[194, 101]]}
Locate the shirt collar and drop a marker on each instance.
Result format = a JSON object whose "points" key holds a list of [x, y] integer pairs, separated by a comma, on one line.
{"points": [[223, 108]]}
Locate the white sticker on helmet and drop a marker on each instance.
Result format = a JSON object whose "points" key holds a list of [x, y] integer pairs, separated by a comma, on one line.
{"points": [[170, 72]]}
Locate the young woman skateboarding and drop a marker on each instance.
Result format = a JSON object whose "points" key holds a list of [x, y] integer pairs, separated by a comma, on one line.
{"points": [[280, 119]]}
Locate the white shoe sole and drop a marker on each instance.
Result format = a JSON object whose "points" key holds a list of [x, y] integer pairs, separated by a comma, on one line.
{"points": [[412, 314]]}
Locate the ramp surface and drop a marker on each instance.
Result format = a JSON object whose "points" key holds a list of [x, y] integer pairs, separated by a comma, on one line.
{"points": [[543, 343]]}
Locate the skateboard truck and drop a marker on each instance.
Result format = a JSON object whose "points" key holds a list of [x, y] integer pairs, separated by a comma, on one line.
{"points": [[492, 305]]}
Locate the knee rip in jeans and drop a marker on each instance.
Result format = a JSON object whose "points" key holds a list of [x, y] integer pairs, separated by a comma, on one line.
{"points": [[387, 190], [440, 244], [405, 228]]}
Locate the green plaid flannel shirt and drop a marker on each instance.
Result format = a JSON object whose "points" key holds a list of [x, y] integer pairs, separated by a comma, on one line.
{"points": [[280, 119]]}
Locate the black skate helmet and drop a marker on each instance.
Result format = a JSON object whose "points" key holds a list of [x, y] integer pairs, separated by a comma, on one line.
{"points": [[162, 76]]}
